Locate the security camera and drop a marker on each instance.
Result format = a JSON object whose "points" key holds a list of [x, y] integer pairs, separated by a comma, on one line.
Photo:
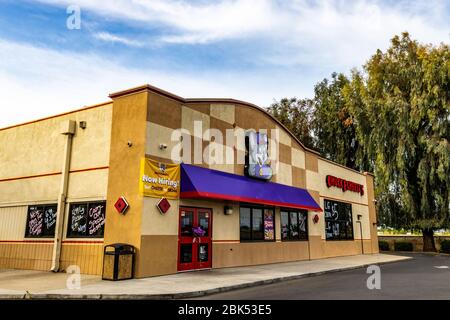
{"points": [[163, 146]]}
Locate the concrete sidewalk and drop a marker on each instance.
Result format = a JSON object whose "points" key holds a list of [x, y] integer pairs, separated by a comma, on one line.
{"points": [[24, 284]]}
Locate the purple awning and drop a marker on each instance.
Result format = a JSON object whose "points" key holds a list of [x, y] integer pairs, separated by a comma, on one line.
{"points": [[198, 182]]}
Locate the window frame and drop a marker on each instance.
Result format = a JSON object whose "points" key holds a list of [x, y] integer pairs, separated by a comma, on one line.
{"points": [[262, 208], [297, 212], [27, 227], [352, 238], [69, 235]]}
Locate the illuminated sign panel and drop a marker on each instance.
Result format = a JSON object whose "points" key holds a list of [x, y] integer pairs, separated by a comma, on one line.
{"points": [[257, 163]]}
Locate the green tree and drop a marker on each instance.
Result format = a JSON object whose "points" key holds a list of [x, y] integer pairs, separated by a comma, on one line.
{"points": [[333, 126], [401, 105], [296, 115]]}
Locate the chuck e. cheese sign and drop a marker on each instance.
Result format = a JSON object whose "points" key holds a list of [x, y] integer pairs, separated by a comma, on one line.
{"points": [[159, 180], [345, 185]]}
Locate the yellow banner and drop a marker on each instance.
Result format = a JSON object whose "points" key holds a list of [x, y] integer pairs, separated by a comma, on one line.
{"points": [[159, 180]]}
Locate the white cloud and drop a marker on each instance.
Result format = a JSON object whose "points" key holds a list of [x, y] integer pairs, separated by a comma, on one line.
{"points": [[200, 22], [37, 82], [108, 37], [322, 36], [340, 33]]}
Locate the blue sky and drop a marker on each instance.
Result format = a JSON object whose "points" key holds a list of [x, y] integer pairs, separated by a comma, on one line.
{"points": [[255, 50]]}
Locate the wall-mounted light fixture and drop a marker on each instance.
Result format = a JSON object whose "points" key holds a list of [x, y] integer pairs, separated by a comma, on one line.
{"points": [[227, 210], [83, 125], [359, 216]]}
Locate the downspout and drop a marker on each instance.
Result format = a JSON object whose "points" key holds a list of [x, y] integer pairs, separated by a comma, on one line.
{"points": [[309, 240], [68, 130], [361, 234]]}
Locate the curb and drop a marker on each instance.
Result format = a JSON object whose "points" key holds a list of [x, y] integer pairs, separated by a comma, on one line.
{"points": [[183, 295], [417, 253]]}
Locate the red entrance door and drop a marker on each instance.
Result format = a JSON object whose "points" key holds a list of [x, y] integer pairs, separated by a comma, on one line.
{"points": [[194, 240]]}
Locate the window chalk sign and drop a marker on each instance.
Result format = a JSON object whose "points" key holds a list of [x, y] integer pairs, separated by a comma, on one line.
{"points": [[41, 221], [338, 220], [86, 220]]}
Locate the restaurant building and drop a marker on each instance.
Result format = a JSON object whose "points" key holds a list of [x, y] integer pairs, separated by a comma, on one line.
{"points": [[190, 183]]}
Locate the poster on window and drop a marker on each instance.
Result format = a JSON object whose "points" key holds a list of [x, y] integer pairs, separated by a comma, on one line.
{"points": [[96, 217], [269, 233], [78, 219], [87, 219], [159, 180], [41, 221], [35, 222], [338, 220]]}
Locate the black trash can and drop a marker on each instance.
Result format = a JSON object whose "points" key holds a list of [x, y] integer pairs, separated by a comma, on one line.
{"points": [[118, 261]]}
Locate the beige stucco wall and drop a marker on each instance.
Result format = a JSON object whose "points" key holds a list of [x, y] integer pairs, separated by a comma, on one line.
{"points": [[30, 174], [155, 223], [36, 149], [39, 144], [327, 168]]}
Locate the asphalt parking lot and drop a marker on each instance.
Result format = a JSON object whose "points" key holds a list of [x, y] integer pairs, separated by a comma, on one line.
{"points": [[425, 276]]}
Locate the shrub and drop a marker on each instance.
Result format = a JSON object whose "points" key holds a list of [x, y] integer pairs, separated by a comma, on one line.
{"points": [[445, 246], [403, 246], [383, 245]]}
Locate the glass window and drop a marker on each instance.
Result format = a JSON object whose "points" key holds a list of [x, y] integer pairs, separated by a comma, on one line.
{"points": [[186, 253], [303, 225], [86, 220], [338, 220], [245, 223], [257, 223], [202, 252], [187, 222], [203, 221], [284, 225], [41, 221], [294, 225], [293, 220]]}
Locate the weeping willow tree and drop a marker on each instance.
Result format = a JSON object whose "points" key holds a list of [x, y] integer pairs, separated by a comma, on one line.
{"points": [[401, 108], [296, 115], [333, 125]]}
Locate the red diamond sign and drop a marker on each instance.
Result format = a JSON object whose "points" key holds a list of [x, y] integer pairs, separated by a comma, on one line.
{"points": [[121, 205], [316, 218], [163, 205]]}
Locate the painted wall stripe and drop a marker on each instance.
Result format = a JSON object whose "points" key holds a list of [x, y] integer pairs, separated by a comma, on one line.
{"points": [[52, 174]]}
